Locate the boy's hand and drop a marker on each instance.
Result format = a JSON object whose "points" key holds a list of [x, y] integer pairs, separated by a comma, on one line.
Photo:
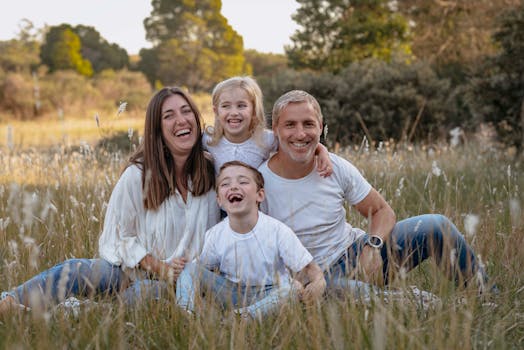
{"points": [[313, 291]]}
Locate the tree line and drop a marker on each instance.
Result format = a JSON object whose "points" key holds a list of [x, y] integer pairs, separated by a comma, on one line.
{"points": [[390, 70]]}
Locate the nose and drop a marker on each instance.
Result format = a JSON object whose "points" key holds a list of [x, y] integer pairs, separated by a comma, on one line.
{"points": [[300, 133]]}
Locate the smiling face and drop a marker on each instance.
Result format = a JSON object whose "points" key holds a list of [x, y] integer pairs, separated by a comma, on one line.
{"points": [[298, 131], [234, 112], [238, 192], [179, 127]]}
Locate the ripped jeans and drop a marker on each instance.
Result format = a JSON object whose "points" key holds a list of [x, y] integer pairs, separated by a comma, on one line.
{"points": [[83, 278], [412, 241], [254, 301]]}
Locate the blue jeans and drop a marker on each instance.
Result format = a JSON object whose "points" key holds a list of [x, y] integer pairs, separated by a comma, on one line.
{"points": [[412, 241], [83, 278], [254, 301]]}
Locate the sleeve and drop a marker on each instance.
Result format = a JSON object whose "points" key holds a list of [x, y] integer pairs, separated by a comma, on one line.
{"points": [[119, 242], [271, 141], [354, 185], [205, 139], [209, 256], [294, 255]]}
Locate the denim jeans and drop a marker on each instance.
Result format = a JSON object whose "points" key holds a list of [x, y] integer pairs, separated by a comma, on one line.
{"points": [[83, 278], [254, 301], [412, 241]]}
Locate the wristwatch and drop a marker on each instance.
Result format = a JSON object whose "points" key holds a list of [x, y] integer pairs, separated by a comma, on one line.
{"points": [[374, 241]]}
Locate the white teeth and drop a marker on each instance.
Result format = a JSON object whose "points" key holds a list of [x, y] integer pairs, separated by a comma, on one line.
{"points": [[182, 132], [296, 144]]}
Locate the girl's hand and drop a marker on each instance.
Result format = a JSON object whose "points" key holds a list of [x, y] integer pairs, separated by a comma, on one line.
{"points": [[324, 165]]}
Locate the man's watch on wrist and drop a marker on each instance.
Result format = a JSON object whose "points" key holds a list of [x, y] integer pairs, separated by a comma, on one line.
{"points": [[374, 241]]}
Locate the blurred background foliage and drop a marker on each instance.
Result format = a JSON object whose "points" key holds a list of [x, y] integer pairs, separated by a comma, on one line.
{"points": [[402, 71]]}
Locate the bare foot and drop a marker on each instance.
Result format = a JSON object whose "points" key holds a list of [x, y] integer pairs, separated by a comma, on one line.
{"points": [[8, 304]]}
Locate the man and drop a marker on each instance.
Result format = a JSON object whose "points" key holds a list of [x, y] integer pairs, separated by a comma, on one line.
{"points": [[314, 209]]}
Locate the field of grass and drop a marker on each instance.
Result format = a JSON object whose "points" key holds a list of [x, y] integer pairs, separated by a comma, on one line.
{"points": [[52, 207]]}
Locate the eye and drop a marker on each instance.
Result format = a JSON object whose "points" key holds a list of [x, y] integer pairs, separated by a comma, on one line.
{"points": [[224, 184], [187, 111], [167, 116]]}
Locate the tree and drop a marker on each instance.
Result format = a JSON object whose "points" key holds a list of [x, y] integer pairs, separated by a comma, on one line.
{"points": [[498, 89], [62, 50], [21, 54], [193, 44], [99, 51], [264, 64], [453, 31], [335, 33]]}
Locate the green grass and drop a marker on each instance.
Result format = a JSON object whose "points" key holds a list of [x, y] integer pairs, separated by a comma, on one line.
{"points": [[52, 204]]}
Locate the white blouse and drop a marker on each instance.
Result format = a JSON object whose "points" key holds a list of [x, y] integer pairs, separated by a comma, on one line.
{"points": [[176, 229]]}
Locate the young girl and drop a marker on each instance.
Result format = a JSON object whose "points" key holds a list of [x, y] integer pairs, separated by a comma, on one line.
{"points": [[239, 132]]}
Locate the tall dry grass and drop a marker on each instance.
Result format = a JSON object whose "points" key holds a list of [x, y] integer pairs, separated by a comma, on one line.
{"points": [[52, 208]]}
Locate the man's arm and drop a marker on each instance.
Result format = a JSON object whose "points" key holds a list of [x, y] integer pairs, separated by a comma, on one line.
{"points": [[380, 215], [381, 219]]}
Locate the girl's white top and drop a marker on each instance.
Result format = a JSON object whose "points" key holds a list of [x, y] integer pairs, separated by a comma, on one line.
{"points": [[249, 151], [176, 229]]}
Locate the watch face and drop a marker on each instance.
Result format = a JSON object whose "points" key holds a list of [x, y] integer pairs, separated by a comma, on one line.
{"points": [[375, 241]]}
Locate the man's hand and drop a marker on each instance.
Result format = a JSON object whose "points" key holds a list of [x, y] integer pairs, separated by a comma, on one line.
{"points": [[370, 265]]}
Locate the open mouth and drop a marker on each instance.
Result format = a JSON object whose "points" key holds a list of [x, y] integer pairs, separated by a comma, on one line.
{"points": [[234, 121], [182, 132], [233, 198]]}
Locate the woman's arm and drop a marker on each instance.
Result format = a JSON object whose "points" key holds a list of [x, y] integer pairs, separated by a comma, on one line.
{"points": [[167, 271]]}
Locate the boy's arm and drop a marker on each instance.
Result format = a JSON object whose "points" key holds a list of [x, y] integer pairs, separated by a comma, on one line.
{"points": [[312, 278], [324, 165]]}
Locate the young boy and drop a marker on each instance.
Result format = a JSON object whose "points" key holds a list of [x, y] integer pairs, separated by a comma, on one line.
{"points": [[251, 251]]}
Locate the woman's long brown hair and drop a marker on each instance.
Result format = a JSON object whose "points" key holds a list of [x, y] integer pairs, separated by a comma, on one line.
{"points": [[157, 163]]}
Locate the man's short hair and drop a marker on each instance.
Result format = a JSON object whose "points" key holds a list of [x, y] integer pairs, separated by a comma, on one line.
{"points": [[294, 96], [257, 176]]}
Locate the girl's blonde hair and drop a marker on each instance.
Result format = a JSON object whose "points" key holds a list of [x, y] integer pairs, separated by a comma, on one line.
{"points": [[250, 86]]}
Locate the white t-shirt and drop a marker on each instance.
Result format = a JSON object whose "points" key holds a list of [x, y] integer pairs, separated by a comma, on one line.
{"points": [[256, 258], [175, 229], [313, 207], [249, 151]]}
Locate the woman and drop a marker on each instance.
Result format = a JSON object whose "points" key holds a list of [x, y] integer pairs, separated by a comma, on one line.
{"points": [[156, 218]]}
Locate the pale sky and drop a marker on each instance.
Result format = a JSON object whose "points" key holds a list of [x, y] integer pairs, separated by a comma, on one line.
{"points": [[265, 25]]}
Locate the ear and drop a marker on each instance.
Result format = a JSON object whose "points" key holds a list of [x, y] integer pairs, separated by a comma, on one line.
{"points": [[215, 111], [261, 195], [219, 202]]}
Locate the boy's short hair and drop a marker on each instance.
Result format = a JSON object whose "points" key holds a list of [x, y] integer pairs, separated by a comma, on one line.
{"points": [[257, 176]]}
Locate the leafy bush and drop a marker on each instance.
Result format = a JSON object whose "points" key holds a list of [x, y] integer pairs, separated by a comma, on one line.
{"points": [[117, 86], [400, 101], [17, 95]]}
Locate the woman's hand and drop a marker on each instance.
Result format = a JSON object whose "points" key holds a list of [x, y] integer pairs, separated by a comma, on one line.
{"points": [[165, 270], [175, 267]]}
